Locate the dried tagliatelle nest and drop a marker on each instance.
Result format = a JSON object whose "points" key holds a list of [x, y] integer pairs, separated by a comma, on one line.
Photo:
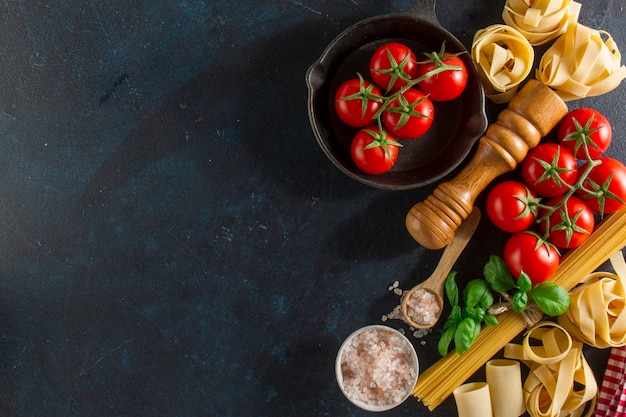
{"points": [[597, 313], [540, 21], [583, 62], [504, 58]]}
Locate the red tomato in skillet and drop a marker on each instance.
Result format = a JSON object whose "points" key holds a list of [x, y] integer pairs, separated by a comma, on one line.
{"points": [[549, 170], [356, 102], [373, 151], [568, 226], [409, 115], [584, 130], [446, 85], [511, 206], [605, 186], [392, 65], [525, 251]]}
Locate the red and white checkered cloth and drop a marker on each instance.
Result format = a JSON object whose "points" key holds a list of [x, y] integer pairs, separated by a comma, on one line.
{"points": [[612, 399]]}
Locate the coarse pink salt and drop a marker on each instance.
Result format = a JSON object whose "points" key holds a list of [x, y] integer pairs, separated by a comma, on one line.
{"points": [[423, 307], [377, 368]]}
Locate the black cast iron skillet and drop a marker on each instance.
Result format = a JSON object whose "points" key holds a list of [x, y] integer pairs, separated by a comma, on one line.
{"points": [[457, 124]]}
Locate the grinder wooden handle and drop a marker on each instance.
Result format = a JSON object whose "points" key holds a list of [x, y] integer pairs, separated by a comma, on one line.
{"points": [[531, 115]]}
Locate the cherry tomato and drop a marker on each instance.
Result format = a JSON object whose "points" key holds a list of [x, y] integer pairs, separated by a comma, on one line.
{"points": [[511, 206], [585, 130], [549, 170], [392, 65], [409, 115], [446, 85], [570, 224], [525, 251], [373, 151], [605, 186], [356, 102]]}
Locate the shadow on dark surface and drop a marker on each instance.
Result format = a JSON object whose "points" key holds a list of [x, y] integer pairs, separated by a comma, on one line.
{"points": [[311, 362], [229, 109]]}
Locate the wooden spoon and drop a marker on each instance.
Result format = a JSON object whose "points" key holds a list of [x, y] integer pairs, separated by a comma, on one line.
{"points": [[435, 283]]}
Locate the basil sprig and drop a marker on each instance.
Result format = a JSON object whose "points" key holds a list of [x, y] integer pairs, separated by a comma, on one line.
{"points": [[552, 299], [463, 326], [470, 308]]}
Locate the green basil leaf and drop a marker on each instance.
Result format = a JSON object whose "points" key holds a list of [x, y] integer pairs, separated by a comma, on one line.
{"points": [[498, 275], [551, 298], [475, 313], [486, 301], [456, 314], [476, 331], [490, 320], [519, 301], [452, 290], [444, 342], [465, 335], [524, 283], [477, 293]]}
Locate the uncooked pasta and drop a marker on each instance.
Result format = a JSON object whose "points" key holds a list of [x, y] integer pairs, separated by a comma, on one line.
{"points": [[560, 381], [597, 312], [437, 383], [504, 59], [583, 62], [540, 21]]}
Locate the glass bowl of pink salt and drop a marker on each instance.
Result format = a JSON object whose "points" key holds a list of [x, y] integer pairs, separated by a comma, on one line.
{"points": [[377, 368]]}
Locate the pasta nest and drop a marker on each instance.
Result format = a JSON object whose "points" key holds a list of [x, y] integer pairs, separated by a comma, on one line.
{"points": [[583, 62], [597, 312], [504, 58], [540, 21]]}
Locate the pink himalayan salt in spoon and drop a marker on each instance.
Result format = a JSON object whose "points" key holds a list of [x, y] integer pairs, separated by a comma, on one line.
{"points": [[422, 305]]}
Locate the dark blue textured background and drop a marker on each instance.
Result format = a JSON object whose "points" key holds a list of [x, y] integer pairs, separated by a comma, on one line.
{"points": [[172, 240]]}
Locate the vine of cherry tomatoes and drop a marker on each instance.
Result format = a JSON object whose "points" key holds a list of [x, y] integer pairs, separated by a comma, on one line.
{"points": [[565, 186], [396, 102]]}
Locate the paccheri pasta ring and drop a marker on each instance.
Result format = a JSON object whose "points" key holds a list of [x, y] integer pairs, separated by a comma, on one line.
{"points": [[597, 312], [560, 381], [504, 59], [540, 21], [583, 62]]}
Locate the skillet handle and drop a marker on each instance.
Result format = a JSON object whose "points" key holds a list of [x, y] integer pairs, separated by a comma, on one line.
{"points": [[532, 114], [425, 9]]}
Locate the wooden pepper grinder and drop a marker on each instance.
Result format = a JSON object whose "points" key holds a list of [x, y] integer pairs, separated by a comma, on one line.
{"points": [[531, 115]]}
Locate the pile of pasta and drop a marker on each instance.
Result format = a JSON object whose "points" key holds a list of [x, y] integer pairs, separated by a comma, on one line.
{"points": [[560, 382], [437, 382], [597, 312], [540, 21], [582, 62], [504, 58]]}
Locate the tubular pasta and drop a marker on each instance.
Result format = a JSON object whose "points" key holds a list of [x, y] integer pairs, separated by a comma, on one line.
{"points": [[505, 386], [504, 59], [597, 312], [583, 62], [540, 21], [560, 382], [473, 400]]}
